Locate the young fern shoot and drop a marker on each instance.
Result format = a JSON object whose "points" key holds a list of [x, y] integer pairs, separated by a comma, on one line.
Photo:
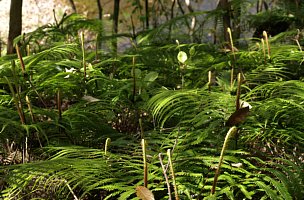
{"points": [[267, 43], [238, 92], [108, 141], [209, 80], [143, 144], [230, 133], [264, 50], [234, 58]]}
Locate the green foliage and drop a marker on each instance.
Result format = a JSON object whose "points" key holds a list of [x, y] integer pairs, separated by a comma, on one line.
{"points": [[158, 93]]}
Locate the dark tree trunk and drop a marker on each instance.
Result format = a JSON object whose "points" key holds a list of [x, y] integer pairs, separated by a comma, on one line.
{"points": [[15, 24], [100, 10], [73, 6], [115, 24], [225, 6], [171, 17], [147, 13]]}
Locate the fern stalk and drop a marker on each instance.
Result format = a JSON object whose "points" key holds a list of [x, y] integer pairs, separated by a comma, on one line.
{"points": [[209, 80], [28, 51], [16, 96], [59, 107], [264, 50], [108, 141], [71, 190], [234, 58], [141, 128], [182, 75], [134, 79], [29, 106], [20, 59], [25, 155], [297, 40], [96, 47], [83, 56], [238, 92], [22, 65], [18, 104], [267, 43], [230, 133], [165, 175], [143, 144], [172, 173]]}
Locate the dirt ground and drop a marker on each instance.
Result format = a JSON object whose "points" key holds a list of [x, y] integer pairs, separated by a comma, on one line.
{"points": [[34, 14]]}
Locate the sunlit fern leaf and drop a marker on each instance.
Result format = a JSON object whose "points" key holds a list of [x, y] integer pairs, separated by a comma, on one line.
{"points": [[279, 187], [169, 103], [74, 22], [188, 105], [111, 173], [283, 89], [290, 174], [57, 52], [270, 192], [264, 74], [276, 116]]}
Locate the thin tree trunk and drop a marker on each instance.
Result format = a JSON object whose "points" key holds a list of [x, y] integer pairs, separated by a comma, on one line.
{"points": [[171, 17], [154, 9], [99, 35], [193, 20], [237, 23], [140, 8], [147, 13], [100, 10], [180, 7], [225, 6], [115, 24], [73, 6], [15, 24]]}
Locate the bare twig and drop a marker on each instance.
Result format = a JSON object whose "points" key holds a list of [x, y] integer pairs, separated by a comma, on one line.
{"points": [[172, 174], [74, 195], [173, 148], [165, 174]]}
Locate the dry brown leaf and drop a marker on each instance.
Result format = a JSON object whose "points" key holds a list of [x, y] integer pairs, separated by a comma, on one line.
{"points": [[238, 117], [144, 193]]}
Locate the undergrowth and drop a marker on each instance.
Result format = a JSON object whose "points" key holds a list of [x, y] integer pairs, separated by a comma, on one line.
{"points": [[57, 112]]}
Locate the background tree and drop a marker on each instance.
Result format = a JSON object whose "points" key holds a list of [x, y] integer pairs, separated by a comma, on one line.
{"points": [[100, 10], [73, 5], [15, 24], [225, 6], [115, 23], [147, 13]]}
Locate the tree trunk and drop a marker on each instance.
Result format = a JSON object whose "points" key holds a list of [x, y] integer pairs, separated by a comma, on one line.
{"points": [[225, 6], [193, 20], [237, 10], [73, 6], [100, 10], [15, 24], [115, 24], [147, 13]]}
